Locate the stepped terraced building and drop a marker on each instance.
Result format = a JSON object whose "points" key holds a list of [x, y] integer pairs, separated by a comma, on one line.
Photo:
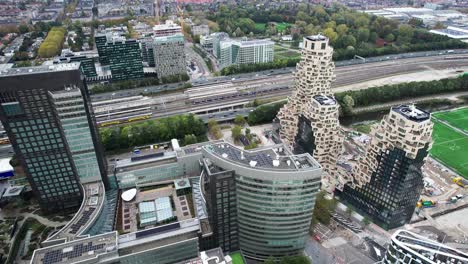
{"points": [[309, 120], [386, 183]]}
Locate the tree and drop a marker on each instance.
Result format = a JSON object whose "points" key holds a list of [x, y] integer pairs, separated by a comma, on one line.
{"points": [[389, 38], [439, 25], [239, 120], [23, 28], [214, 129], [405, 34], [190, 139], [416, 22], [341, 29], [363, 35], [236, 132], [330, 34], [269, 260], [323, 209]]}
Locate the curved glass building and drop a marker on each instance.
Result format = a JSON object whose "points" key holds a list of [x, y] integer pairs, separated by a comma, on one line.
{"points": [[273, 198]]}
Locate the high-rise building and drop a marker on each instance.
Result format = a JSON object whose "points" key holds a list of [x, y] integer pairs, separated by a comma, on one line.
{"points": [[123, 55], [310, 117], [261, 201], [386, 183], [169, 55], [407, 247], [47, 114], [245, 52]]}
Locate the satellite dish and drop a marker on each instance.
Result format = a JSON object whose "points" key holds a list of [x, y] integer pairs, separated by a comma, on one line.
{"points": [[127, 196]]}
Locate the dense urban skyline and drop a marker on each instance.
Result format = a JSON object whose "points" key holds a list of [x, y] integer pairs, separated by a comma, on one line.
{"points": [[233, 132]]}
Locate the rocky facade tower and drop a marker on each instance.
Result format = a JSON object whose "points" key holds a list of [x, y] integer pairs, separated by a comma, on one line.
{"points": [[313, 106]]}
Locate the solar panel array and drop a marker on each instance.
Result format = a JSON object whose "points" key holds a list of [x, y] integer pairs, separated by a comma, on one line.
{"points": [[263, 160], [157, 230], [58, 256], [83, 220]]}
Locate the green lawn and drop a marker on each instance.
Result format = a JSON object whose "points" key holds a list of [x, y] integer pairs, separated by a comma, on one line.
{"points": [[457, 118], [260, 26], [283, 53], [280, 27], [451, 148], [237, 258]]}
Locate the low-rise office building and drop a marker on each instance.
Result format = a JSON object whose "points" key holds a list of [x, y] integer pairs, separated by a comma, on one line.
{"points": [[245, 52]]}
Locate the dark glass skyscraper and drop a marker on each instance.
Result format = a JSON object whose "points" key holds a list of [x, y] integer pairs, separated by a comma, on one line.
{"points": [[122, 55], [47, 114], [388, 181]]}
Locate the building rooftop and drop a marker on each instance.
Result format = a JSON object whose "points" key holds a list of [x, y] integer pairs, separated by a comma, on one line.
{"points": [[178, 229], [325, 100], [256, 42], [40, 69], [94, 196], [275, 157], [5, 165], [428, 249], [318, 37], [411, 112], [212, 256], [81, 250]]}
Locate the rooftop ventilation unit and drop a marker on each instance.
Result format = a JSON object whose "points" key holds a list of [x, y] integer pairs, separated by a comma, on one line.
{"points": [[276, 163], [252, 163]]}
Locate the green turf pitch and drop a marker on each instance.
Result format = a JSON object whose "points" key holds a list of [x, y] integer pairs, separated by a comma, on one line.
{"points": [[450, 147], [457, 118]]}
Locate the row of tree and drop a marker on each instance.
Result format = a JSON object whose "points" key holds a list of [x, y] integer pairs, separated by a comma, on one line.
{"points": [[52, 44], [264, 113], [375, 95], [389, 93], [187, 128], [130, 84]]}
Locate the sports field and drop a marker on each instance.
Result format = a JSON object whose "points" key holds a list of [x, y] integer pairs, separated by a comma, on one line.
{"points": [[457, 118], [450, 147]]}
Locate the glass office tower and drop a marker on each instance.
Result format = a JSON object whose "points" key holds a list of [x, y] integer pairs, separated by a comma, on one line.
{"points": [[274, 197], [47, 115]]}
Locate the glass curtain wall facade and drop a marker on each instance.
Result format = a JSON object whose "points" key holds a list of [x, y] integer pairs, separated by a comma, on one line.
{"points": [[274, 199], [70, 108], [274, 215], [390, 197], [220, 194], [35, 131]]}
